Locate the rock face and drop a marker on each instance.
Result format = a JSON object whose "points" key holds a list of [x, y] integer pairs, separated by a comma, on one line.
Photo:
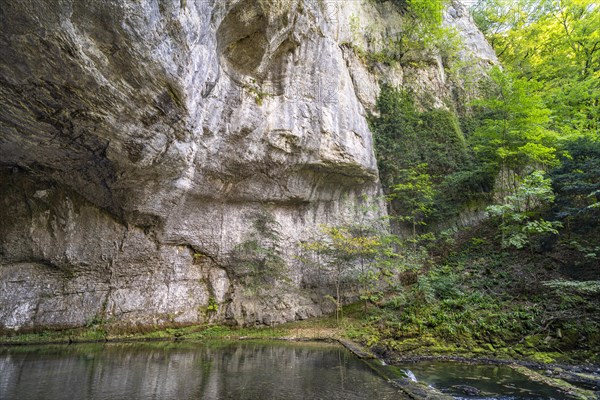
{"points": [[140, 140]]}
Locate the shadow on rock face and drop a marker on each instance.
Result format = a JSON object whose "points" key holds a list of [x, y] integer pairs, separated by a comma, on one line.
{"points": [[254, 40]]}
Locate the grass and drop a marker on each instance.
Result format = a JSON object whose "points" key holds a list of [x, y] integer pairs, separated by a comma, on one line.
{"points": [[378, 330], [318, 328], [476, 301]]}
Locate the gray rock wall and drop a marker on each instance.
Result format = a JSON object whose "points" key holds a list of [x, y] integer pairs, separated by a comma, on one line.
{"points": [[139, 138]]}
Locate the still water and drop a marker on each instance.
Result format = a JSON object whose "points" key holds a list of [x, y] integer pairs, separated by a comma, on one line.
{"points": [[238, 370], [189, 371]]}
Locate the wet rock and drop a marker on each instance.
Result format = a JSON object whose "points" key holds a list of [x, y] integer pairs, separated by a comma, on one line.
{"points": [[468, 390]]}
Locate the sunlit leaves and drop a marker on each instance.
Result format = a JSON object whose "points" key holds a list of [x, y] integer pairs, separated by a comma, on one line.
{"points": [[556, 42], [414, 194], [514, 134]]}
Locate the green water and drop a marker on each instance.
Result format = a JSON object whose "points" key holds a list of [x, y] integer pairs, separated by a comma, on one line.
{"points": [[239, 370], [182, 371], [467, 381]]}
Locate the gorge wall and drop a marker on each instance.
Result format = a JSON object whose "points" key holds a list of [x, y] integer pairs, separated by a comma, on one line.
{"points": [[140, 141]]}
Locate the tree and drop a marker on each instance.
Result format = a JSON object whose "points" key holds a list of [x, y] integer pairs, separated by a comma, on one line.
{"points": [[519, 213], [512, 137], [576, 182], [513, 133], [354, 254], [413, 198], [551, 48], [349, 250], [339, 252], [556, 42], [421, 32]]}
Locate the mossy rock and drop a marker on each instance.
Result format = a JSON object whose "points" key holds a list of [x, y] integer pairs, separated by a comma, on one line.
{"points": [[544, 358], [573, 392], [442, 349], [533, 341]]}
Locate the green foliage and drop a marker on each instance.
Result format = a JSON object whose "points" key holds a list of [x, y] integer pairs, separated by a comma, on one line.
{"points": [[419, 36], [551, 51], [360, 253], [471, 185], [254, 88], [486, 301], [518, 214], [422, 29], [556, 43], [512, 134], [575, 306], [440, 304], [583, 287], [413, 198], [353, 253], [212, 306], [577, 183], [406, 137], [415, 193], [427, 12]]}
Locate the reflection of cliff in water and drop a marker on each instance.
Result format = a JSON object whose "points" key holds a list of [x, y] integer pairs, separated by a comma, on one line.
{"points": [[188, 371]]}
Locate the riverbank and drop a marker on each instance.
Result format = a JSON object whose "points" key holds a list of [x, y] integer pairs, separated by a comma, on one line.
{"points": [[352, 329], [347, 333]]}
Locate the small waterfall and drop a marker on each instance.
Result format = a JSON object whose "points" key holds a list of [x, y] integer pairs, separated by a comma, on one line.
{"points": [[409, 374]]}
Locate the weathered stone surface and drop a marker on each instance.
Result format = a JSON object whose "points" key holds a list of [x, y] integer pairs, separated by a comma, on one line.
{"points": [[139, 137]]}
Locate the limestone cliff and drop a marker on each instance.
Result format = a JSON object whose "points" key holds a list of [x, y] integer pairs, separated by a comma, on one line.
{"points": [[140, 140]]}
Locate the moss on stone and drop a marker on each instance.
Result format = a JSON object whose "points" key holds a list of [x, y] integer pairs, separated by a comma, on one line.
{"points": [[572, 391]]}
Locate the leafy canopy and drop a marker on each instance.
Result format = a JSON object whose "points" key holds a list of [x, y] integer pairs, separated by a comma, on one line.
{"points": [[557, 43], [513, 133]]}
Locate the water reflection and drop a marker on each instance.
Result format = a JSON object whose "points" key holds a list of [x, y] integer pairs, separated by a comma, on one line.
{"points": [[481, 382], [188, 371]]}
